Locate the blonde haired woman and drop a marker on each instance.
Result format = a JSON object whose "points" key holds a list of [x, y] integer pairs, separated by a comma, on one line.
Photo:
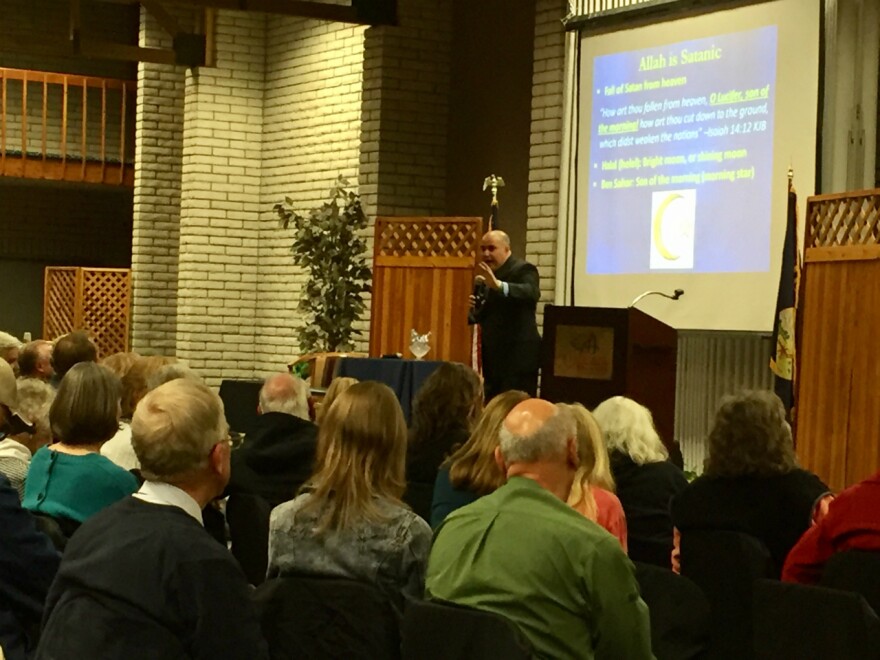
{"points": [[471, 471], [349, 521], [592, 500], [337, 387]]}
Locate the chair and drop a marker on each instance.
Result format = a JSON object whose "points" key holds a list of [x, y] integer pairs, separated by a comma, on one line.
{"points": [[724, 565], [248, 519], [679, 613], [855, 570], [313, 618], [801, 622], [240, 400], [322, 367], [436, 630]]}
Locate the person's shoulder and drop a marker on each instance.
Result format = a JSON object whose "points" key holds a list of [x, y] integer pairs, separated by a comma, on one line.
{"points": [[287, 510], [112, 471]]}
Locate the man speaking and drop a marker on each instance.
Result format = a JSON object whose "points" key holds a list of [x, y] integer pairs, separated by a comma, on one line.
{"points": [[505, 297]]}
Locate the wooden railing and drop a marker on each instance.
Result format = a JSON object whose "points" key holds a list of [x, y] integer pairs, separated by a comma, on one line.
{"points": [[66, 127]]}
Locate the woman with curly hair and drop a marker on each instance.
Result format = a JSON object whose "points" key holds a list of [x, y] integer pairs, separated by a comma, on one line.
{"points": [[445, 410], [751, 480], [646, 480], [592, 489], [472, 471]]}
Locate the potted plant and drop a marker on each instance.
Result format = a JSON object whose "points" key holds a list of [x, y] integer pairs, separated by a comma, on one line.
{"points": [[329, 243]]}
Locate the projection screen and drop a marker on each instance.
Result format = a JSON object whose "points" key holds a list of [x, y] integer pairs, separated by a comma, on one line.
{"points": [[686, 132]]}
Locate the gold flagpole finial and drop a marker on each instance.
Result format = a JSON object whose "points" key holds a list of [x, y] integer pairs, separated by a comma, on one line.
{"points": [[790, 177], [493, 183]]}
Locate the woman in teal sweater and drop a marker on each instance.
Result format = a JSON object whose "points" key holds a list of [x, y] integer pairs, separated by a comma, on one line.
{"points": [[70, 480]]}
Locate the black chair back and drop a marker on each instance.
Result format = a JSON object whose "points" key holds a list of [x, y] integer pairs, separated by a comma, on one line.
{"points": [[801, 622], [240, 400], [679, 613], [724, 565], [248, 518], [307, 618], [855, 570], [435, 630]]}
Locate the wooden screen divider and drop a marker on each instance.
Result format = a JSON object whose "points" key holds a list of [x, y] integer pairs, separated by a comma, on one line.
{"points": [[423, 273], [838, 410], [97, 300]]}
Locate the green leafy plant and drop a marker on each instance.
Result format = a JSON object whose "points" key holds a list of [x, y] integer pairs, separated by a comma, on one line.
{"points": [[329, 243]]}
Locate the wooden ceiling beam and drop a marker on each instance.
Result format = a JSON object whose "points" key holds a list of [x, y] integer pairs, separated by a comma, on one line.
{"points": [[348, 13]]}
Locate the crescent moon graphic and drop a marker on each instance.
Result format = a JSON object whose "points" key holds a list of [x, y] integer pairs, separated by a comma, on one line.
{"points": [[657, 228]]}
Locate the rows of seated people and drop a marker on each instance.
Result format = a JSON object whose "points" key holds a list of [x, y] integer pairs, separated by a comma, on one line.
{"points": [[571, 530]]}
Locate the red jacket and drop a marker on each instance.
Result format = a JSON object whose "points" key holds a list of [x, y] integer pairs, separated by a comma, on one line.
{"points": [[852, 523]]}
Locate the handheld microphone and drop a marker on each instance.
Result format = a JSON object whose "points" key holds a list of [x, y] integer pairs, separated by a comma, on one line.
{"points": [[481, 291], [678, 293]]}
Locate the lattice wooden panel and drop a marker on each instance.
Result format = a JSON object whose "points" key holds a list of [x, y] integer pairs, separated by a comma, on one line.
{"points": [[106, 305], [95, 300], [422, 237], [59, 302], [837, 220]]}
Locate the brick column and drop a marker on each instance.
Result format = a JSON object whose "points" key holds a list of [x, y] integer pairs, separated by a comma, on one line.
{"points": [[222, 133], [155, 233]]}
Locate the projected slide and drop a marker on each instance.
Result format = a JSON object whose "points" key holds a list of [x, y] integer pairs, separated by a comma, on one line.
{"points": [[681, 156]]}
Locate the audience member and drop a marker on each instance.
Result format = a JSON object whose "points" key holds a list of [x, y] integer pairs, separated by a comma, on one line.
{"points": [[751, 482], [852, 523], [337, 387], [278, 456], [35, 360], [120, 363], [16, 449], [472, 471], [10, 347], [28, 562], [646, 481], [70, 480], [138, 371], [523, 553], [69, 350], [445, 410], [142, 579], [169, 372], [587, 498], [350, 522]]}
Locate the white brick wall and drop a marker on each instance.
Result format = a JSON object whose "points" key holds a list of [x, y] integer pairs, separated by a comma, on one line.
{"points": [[546, 144], [405, 111], [157, 180], [311, 134], [219, 203]]}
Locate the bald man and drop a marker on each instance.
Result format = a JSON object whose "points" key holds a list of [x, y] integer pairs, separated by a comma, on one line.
{"points": [[523, 553], [278, 455], [507, 291]]}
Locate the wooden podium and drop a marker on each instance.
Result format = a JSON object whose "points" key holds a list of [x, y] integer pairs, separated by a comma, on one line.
{"points": [[594, 353]]}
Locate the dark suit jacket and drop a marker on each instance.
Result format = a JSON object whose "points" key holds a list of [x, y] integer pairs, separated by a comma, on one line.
{"points": [[276, 458], [511, 343]]}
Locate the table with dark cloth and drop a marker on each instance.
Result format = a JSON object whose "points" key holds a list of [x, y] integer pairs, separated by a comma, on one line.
{"points": [[405, 377]]}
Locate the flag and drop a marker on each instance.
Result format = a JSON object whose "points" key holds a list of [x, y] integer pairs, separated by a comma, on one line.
{"points": [[782, 360]]}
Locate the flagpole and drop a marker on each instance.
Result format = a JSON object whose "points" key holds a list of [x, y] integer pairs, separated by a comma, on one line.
{"points": [[493, 183]]}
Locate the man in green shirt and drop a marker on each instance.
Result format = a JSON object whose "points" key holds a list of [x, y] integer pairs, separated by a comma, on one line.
{"points": [[523, 553]]}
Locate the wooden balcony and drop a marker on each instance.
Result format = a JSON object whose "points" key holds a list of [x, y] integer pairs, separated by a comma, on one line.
{"points": [[66, 127]]}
